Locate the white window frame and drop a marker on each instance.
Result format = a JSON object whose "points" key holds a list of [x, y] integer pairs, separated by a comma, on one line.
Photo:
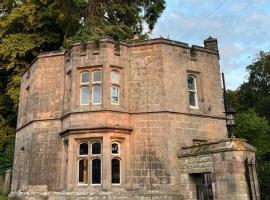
{"points": [[119, 146], [94, 83], [92, 157], [120, 166], [89, 157], [115, 85], [195, 91], [84, 84], [118, 157], [118, 73], [89, 89], [78, 170]]}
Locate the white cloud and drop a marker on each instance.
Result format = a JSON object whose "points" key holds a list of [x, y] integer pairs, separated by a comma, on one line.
{"points": [[240, 26]]}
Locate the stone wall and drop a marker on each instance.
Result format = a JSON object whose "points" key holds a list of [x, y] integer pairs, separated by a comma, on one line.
{"points": [[154, 116], [225, 161]]}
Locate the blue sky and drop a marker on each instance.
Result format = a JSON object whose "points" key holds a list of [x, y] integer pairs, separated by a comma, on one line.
{"points": [[242, 28]]}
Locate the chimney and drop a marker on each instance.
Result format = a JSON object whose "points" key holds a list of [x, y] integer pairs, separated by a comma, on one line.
{"points": [[135, 36], [211, 43]]}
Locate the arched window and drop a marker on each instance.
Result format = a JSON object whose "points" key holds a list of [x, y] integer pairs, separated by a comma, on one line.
{"points": [[84, 91], [97, 87], [96, 171], [83, 171], [83, 150], [91, 84], [97, 76], [89, 162], [114, 76], [115, 87], [115, 149], [96, 148], [115, 171], [192, 91], [85, 77]]}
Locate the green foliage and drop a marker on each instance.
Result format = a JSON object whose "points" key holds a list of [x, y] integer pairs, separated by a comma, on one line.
{"points": [[3, 197], [256, 90], [117, 19], [29, 27], [255, 129], [252, 101]]}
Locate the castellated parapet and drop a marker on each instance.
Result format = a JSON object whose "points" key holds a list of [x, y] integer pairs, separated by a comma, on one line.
{"points": [[107, 120]]}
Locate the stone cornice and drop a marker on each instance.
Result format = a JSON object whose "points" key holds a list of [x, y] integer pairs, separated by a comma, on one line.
{"points": [[98, 129], [231, 144]]}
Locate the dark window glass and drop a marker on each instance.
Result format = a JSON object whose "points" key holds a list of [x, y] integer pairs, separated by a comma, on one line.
{"points": [[83, 171], [115, 148], [96, 171], [84, 149], [192, 98], [191, 83], [115, 171], [96, 148]]}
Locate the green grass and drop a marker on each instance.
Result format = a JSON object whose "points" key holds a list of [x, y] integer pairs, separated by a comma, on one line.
{"points": [[3, 197]]}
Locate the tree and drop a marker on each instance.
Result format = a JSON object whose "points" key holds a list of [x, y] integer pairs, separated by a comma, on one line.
{"points": [[256, 90], [118, 19], [255, 129], [30, 27]]}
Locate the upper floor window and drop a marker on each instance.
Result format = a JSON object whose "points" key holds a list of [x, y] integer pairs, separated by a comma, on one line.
{"points": [[85, 77], [91, 88], [192, 91], [115, 87]]}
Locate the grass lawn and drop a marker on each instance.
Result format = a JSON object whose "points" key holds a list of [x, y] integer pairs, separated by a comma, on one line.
{"points": [[3, 197]]}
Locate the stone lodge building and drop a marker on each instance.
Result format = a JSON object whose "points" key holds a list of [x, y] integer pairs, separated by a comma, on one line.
{"points": [[131, 120]]}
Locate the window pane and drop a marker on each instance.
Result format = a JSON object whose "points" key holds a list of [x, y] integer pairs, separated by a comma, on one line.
{"points": [[115, 171], [85, 95], [96, 171], [192, 98], [97, 76], [85, 77], [96, 148], [115, 95], [83, 149], [114, 76], [191, 83], [83, 171], [115, 148], [97, 94]]}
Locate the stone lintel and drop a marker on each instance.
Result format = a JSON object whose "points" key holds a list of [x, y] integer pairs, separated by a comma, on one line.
{"points": [[99, 129], [232, 144]]}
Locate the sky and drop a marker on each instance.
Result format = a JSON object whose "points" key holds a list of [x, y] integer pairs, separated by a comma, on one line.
{"points": [[242, 28]]}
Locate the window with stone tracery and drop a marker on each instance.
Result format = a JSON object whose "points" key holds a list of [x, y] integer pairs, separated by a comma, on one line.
{"points": [[89, 163], [116, 163], [91, 87]]}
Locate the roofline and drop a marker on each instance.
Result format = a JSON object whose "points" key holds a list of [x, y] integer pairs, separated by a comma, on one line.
{"points": [[128, 43]]}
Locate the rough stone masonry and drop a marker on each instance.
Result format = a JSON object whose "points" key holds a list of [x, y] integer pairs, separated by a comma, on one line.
{"points": [[123, 120]]}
